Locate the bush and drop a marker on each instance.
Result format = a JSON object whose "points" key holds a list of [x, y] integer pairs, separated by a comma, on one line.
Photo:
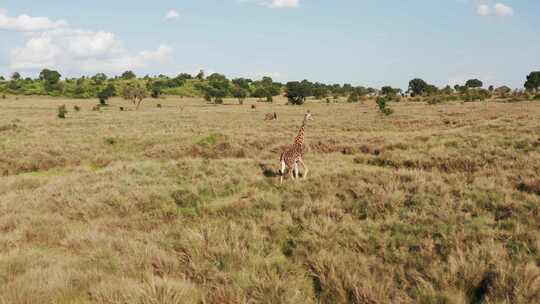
{"points": [[96, 108], [536, 97], [434, 100], [62, 111], [353, 97], [4, 96], [383, 107], [159, 105], [218, 100], [76, 108], [269, 99], [122, 109]]}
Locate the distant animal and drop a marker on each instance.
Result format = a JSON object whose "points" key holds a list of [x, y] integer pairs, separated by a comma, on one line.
{"points": [[270, 116], [253, 106], [294, 154]]}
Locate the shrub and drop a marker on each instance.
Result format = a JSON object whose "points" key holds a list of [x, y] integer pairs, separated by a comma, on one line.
{"points": [[4, 96], [536, 97], [434, 100], [76, 108], [122, 109], [327, 100], [383, 107], [135, 93], [96, 108], [353, 97], [105, 94], [218, 100], [62, 111], [269, 98], [159, 105]]}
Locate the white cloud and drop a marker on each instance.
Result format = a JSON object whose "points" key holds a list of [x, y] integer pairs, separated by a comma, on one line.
{"points": [[25, 23], [499, 9], [483, 10], [274, 3], [503, 10], [75, 51], [284, 3], [172, 14]]}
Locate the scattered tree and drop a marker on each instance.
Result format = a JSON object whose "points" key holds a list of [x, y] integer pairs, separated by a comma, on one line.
{"points": [[15, 76], [533, 81], [474, 83], [127, 75], [105, 94], [297, 92], [51, 79], [417, 87], [240, 93], [136, 93]]}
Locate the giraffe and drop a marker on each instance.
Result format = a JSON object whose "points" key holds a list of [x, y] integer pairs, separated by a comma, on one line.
{"points": [[295, 153], [271, 116]]}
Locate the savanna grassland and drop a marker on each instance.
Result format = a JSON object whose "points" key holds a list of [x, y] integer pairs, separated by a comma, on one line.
{"points": [[182, 204]]}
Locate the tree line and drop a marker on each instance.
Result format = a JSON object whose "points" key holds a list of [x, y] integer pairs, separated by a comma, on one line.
{"points": [[215, 87]]}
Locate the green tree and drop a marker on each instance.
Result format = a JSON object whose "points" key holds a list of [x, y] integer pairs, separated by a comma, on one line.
{"points": [[297, 92], [106, 93], [217, 87], [431, 90], [15, 76], [474, 83], [135, 92], [127, 75], [240, 93], [51, 79], [200, 76], [417, 87], [383, 106], [447, 90], [99, 78], [389, 91], [353, 97], [533, 81], [242, 83]]}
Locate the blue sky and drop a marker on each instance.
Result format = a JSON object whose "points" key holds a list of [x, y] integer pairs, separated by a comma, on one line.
{"points": [[363, 42]]}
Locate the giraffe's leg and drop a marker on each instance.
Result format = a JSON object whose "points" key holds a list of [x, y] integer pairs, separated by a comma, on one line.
{"points": [[290, 167], [296, 170], [306, 170], [282, 171]]}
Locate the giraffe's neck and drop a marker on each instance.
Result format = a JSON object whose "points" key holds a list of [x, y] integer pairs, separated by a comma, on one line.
{"points": [[299, 140]]}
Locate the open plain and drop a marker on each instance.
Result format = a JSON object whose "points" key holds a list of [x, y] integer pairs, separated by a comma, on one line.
{"points": [[182, 203]]}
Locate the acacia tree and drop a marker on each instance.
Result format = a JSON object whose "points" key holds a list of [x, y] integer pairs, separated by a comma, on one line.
{"points": [[51, 79], [474, 83], [297, 92], [533, 81], [135, 92], [128, 75], [417, 86]]}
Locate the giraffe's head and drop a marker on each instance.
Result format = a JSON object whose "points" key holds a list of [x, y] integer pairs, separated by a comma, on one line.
{"points": [[308, 116]]}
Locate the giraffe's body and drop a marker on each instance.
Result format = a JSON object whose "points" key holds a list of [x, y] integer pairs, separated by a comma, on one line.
{"points": [[271, 116], [295, 153]]}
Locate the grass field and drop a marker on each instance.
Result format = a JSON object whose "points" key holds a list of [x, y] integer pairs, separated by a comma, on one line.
{"points": [[182, 204]]}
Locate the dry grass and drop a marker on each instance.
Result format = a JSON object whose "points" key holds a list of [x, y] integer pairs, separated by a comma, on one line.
{"points": [[181, 204]]}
